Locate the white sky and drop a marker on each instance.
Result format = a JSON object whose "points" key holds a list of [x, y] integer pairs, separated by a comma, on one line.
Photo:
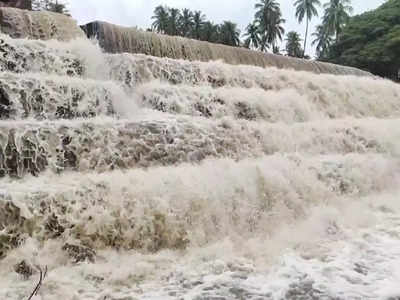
{"points": [[139, 12]]}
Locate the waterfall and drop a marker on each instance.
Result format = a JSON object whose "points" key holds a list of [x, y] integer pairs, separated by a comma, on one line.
{"points": [[20, 23], [119, 39], [134, 176]]}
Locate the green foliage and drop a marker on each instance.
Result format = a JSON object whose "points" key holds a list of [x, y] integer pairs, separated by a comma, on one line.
{"points": [[337, 14], [262, 34], [293, 44], [194, 25], [371, 41], [268, 16], [306, 9], [229, 34], [252, 36], [323, 41], [51, 5]]}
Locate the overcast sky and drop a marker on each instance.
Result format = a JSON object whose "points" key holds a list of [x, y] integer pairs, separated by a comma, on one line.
{"points": [[139, 12]]}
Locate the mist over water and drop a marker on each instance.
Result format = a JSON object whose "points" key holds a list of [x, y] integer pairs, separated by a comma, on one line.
{"points": [[136, 177]]}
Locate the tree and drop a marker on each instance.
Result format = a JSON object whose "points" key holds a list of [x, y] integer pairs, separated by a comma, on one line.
{"points": [[323, 40], [307, 9], [210, 32], [174, 16], [252, 35], [371, 41], [161, 18], [276, 50], [186, 22], [293, 45], [51, 5], [198, 22], [337, 14], [269, 17], [230, 34]]}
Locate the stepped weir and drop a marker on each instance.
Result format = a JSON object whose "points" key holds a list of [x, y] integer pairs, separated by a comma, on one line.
{"points": [[154, 167], [119, 39]]}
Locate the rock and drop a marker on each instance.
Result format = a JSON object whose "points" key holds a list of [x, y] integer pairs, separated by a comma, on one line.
{"points": [[79, 253], [303, 291], [53, 226], [24, 269]]}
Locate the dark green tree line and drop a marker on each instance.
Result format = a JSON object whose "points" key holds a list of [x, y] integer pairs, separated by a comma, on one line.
{"points": [[194, 24]]}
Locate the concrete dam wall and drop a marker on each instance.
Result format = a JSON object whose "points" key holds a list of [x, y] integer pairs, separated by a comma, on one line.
{"points": [[117, 39]]}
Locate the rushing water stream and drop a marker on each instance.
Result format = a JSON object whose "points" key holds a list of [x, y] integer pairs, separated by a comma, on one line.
{"points": [[137, 177]]}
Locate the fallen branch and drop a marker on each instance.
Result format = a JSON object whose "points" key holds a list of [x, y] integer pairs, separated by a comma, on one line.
{"points": [[42, 277]]}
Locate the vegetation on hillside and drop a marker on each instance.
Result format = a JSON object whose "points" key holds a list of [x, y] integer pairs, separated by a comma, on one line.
{"points": [[371, 41]]}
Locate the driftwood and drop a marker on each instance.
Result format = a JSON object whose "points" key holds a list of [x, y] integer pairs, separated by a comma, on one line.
{"points": [[39, 284]]}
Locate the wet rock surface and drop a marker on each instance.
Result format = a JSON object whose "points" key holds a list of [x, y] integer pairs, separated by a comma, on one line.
{"points": [[79, 253], [24, 269], [24, 97], [19, 23]]}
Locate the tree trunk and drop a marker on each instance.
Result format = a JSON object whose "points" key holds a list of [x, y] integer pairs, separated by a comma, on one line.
{"points": [[305, 38]]}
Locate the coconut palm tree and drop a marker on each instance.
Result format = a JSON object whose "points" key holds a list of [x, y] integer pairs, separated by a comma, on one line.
{"points": [[307, 9], [210, 32], [337, 13], [276, 50], [174, 16], [293, 45], [161, 19], [323, 40], [186, 22], [252, 35], [198, 22], [230, 34], [274, 32], [269, 16]]}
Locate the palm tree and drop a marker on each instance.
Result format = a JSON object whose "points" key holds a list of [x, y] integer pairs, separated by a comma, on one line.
{"points": [[161, 19], [230, 34], [186, 22], [253, 36], [276, 50], [293, 45], [269, 17], [273, 32], [337, 13], [198, 22], [210, 32], [173, 21], [307, 9], [323, 40]]}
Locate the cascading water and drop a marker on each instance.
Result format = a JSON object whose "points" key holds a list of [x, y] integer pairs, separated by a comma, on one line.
{"points": [[136, 177], [119, 39]]}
